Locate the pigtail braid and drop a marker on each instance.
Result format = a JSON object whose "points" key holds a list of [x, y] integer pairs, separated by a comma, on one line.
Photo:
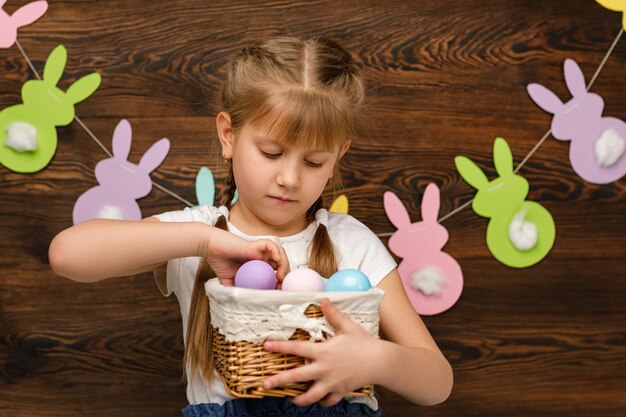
{"points": [[322, 257], [198, 352], [229, 191]]}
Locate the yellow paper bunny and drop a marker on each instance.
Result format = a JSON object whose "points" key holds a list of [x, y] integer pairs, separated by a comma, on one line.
{"points": [[616, 6]]}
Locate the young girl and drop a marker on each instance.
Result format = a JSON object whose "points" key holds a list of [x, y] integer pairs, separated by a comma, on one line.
{"points": [[291, 108]]}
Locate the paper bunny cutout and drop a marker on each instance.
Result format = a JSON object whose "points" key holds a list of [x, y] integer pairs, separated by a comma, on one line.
{"points": [[45, 107], [511, 217], [580, 120], [438, 275], [340, 205], [205, 187], [25, 15], [616, 6], [120, 181]]}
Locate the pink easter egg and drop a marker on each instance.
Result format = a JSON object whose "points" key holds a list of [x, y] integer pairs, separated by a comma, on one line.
{"points": [[257, 275], [303, 280]]}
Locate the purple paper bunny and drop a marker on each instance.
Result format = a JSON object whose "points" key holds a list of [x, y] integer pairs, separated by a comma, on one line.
{"points": [[598, 143], [120, 182]]}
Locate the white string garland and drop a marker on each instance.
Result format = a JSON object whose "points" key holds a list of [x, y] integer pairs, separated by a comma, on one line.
{"points": [[447, 216]]}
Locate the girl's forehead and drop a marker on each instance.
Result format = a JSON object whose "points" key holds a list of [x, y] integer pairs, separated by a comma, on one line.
{"points": [[262, 136]]}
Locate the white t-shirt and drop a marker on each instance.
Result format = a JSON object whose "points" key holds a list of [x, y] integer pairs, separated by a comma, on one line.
{"points": [[356, 247]]}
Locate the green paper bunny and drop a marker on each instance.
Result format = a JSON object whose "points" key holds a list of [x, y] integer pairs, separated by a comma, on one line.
{"points": [[520, 233], [45, 107]]}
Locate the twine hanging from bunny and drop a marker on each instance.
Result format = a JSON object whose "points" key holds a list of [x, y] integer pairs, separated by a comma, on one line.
{"points": [[24, 16], [598, 144], [33, 124], [432, 279], [520, 233], [120, 181]]}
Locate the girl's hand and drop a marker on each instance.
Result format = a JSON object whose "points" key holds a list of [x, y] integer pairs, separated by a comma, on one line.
{"points": [[338, 366], [226, 252]]}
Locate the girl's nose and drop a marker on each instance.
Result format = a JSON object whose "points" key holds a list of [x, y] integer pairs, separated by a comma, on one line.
{"points": [[289, 174]]}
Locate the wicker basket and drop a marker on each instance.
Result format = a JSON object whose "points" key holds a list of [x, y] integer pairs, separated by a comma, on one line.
{"points": [[243, 365]]}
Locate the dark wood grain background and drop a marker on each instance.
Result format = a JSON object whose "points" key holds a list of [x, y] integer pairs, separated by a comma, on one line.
{"points": [[446, 78]]}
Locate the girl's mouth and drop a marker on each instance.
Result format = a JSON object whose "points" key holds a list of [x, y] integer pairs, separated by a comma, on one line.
{"points": [[281, 199]]}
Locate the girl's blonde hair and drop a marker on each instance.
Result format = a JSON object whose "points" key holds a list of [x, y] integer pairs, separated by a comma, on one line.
{"points": [[307, 92]]}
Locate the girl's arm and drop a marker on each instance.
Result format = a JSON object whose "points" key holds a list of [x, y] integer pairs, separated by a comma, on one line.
{"points": [[410, 362], [99, 249]]}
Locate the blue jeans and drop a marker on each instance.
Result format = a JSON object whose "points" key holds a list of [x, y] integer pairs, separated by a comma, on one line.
{"points": [[277, 407]]}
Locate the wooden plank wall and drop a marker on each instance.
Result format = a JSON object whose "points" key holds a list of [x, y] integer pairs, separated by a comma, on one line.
{"points": [[446, 78]]}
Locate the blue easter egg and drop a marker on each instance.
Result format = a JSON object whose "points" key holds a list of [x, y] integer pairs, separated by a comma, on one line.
{"points": [[348, 280]]}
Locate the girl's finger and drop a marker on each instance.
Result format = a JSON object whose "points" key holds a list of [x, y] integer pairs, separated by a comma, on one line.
{"points": [[283, 265], [305, 349], [227, 282], [273, 250], [335, 317], [317, 391], [300, 374], [331, 399]]}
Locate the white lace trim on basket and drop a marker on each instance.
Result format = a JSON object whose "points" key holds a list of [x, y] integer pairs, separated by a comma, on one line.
{"points": [[242, 314]]}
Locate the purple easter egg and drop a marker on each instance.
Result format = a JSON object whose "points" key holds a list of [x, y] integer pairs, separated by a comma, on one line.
{"points": [[303, 280], [257, 275]]}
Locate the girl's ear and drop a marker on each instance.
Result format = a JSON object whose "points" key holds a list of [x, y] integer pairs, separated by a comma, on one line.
{"points": [[225, 134]]}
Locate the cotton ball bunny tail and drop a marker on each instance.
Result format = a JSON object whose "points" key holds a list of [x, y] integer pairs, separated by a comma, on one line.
{"points": [[111, 212], [21, 137], [609, 148], [523, 234], [429, 280]]}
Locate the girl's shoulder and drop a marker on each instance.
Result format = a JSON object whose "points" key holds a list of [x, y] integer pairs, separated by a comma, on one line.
{"points": [[204, 214], [345, 224]]}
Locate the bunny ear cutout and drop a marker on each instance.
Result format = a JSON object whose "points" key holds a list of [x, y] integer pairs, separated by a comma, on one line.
{"points": [[55, 65], [502, 157], [83, 88], [340, 205], [27, 14], [574, 78], [122, 138], [396, 212], [614, 5], [544, 98], [430, 203], [155, 155], [205, 187], [470, 172]]}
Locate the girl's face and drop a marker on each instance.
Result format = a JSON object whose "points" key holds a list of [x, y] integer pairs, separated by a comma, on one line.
{"points": [[277, 183]]}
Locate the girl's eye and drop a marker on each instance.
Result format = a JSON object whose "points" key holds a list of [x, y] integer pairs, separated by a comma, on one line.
{"points": [[270, 155], [312, 164]]}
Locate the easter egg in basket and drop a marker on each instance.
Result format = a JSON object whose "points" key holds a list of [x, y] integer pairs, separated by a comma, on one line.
{"points": [[256, 274], [348, 280], [303, 280]]}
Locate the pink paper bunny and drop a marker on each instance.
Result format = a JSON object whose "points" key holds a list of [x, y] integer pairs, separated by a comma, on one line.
{"points": [[23, 16], [436, 274], [580, 120], [120, 182]]}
